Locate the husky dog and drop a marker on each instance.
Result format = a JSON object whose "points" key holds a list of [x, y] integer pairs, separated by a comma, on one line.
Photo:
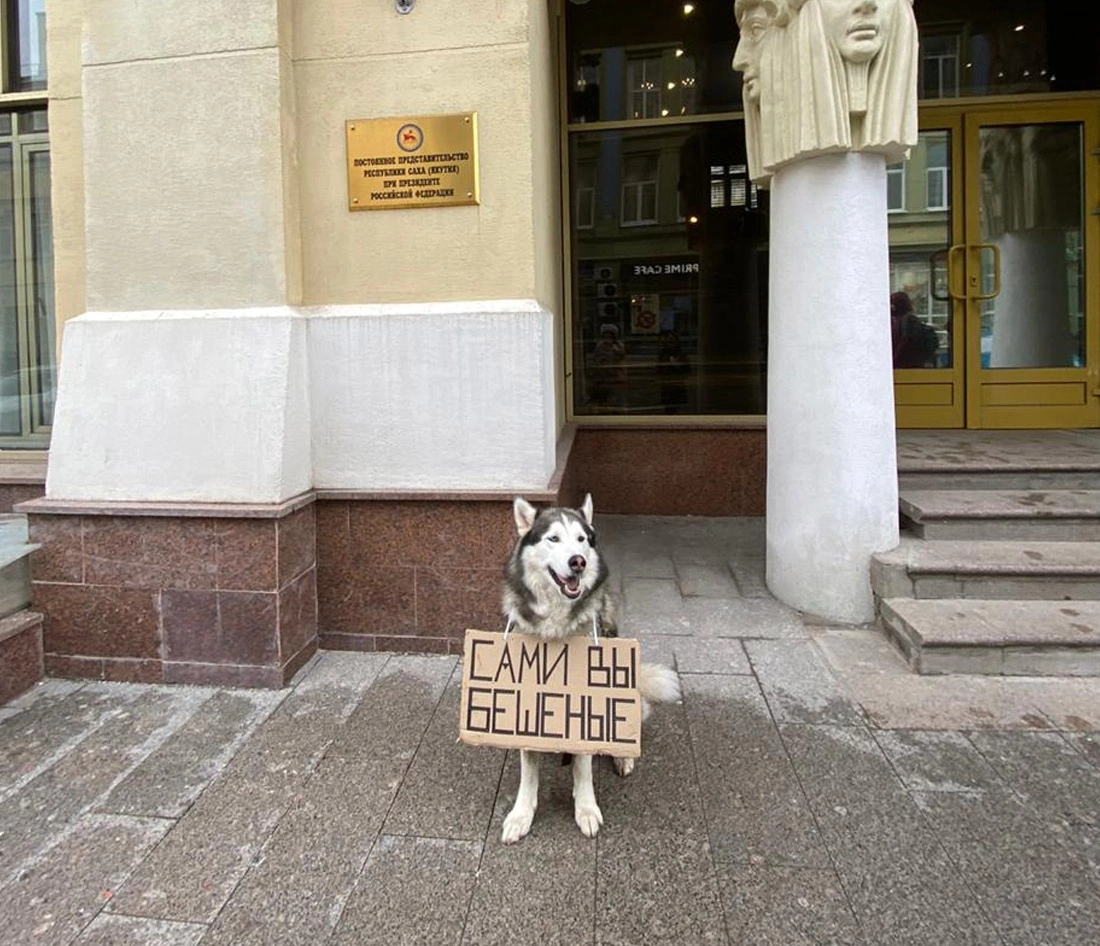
{"points": [[555, 585]]}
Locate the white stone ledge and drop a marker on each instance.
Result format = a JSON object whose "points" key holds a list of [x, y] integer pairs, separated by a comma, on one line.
{"points": [[257, 405]]}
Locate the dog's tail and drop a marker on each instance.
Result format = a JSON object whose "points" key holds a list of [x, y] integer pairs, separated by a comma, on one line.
{"points": [[657, 684]]}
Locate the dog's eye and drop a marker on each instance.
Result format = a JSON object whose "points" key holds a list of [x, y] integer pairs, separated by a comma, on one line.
{"points": [[580, 538], [552, 538]]}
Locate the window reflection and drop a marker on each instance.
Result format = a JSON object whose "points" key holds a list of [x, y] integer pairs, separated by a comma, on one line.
{"points": [[1002, 47], [647, 59], [26, 21], [632, 60], [920, 232], [670, 272]]}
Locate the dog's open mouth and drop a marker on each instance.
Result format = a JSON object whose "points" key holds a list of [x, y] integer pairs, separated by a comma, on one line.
{"points": [[569, 586]]}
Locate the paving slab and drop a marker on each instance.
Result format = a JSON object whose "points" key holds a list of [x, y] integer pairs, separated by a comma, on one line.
{"points": [[662, 795], [706, 581], [977, 450], [891, 864], [1033, 887], [907, 701], [783, 906], [31, 819], [449, 789], [47, 722], [749, 573], [655, 879], [308, 867], [931, 761], [798, 684], [745, 618], [54, 898], [698, 551], [656, 889], [1088, 744], [1045, 772], [858, 650], [111, 930], [171, 778], [191, 874], [1070, 705], [640, 563], [541, 889], [756, 811], [716, 655], [652, 606], [412, 891]]}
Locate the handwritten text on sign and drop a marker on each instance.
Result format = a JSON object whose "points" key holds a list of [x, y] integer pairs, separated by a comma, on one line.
{"points": [[570, 695]]}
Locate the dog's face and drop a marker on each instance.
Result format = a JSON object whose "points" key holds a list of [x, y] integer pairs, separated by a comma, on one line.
{"points": [[558, 547]]}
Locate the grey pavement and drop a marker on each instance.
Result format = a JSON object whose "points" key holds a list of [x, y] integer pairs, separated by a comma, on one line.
{"points": [[809, 789]]}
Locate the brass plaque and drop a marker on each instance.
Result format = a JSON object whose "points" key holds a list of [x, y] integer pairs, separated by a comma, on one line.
{"points": [[425, 161]]}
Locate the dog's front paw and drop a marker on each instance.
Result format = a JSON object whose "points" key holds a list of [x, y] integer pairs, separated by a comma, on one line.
{"points": [[588, 818], [623, 766], [517, 824]]}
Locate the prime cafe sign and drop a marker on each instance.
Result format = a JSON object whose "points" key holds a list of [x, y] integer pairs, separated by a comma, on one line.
{"points": [[574, 695]]}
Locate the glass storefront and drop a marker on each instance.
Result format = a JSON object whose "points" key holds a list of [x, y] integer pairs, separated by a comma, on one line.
{"points": [[668, 239], [28, 335]]}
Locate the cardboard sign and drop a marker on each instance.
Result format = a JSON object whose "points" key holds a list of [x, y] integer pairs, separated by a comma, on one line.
{"points": [[571, 695]]}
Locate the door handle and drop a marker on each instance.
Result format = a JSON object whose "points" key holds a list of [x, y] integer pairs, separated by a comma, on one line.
{"points": [[974, 280], [951, 251]]}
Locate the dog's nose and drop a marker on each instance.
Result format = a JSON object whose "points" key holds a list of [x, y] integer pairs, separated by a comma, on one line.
{"points": [[577, 563]]}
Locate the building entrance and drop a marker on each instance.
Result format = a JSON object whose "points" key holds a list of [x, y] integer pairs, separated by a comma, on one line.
{"points": [[994, 234]]}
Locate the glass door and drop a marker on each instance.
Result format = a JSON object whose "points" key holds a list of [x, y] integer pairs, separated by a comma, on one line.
{"points": [[1031, 267], [994, 271], [926, 227]]}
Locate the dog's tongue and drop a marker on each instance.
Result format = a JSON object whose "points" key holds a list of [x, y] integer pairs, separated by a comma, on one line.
{"points": [[572, 583]]}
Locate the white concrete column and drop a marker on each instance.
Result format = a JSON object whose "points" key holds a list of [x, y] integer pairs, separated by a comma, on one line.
{"points": [[832, 496]]}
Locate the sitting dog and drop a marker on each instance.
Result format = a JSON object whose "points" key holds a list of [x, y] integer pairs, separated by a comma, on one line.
{"points": [[555, 586]]}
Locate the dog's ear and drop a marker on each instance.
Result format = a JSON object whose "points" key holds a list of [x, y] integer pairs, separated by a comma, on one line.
{"points": [[524, 514], [586, 508]]}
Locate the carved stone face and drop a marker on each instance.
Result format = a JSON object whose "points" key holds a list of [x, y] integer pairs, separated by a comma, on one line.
{"points": [[858, 28], [753, 19]]}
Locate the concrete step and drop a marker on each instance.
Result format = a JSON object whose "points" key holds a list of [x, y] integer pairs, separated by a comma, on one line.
{"points": [[1018, 638], [1071, 515], [1050, 571], [15, 575], [1005, 478], [21, 664]]}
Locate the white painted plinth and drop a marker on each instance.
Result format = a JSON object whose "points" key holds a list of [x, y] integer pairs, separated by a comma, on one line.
{"points": [[259, 405], [182, 406], [433, 396], [832, 466]]}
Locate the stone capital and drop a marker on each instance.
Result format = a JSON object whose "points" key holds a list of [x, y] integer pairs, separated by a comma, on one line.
{"points": [[824, 76]]}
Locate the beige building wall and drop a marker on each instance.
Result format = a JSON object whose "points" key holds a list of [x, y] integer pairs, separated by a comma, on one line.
{"points": [[224, 278], [184, 155], [320, 64], [355, 61], [66, 114]]}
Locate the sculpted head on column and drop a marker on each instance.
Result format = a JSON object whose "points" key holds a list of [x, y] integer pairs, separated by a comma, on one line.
{"points": [[833, 75], [754, 19]]}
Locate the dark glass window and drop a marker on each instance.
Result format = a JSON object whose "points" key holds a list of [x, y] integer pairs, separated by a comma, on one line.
{"points": [[26, 25], [1001, 47], [630, 59], [669, 272]]}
